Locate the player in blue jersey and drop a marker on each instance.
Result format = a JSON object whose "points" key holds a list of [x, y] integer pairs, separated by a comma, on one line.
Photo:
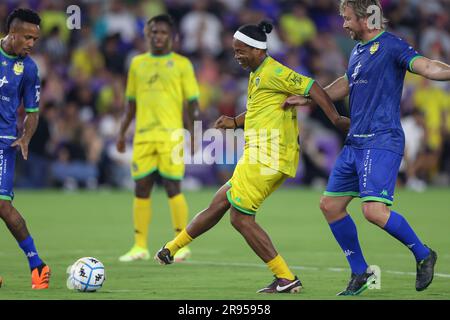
{"points": [[368, 165], [19, 83]]}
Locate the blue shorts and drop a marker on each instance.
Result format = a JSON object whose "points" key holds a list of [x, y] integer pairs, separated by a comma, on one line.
{"points": [[7, 165], [370, 174]]}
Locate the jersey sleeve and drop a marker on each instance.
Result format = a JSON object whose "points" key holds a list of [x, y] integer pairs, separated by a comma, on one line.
{"points": [[404, 54], [31, 90], [286, 80], [130, 91], [189, 82]]}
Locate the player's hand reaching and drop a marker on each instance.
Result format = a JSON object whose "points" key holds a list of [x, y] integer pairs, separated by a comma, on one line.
{"points": [[343, 124], [296, 101], [225, 122], [23, 144], [120, 144]]}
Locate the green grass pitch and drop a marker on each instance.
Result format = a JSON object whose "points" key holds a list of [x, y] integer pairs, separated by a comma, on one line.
{"points": [[67, 226]]}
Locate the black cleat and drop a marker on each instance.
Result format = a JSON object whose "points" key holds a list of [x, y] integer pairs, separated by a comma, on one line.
{"points": [[358, 283], [425, 271], [163, 256], [280, 285]]}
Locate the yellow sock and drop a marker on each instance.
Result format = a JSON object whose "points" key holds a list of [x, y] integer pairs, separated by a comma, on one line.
{"points": [[180, 241], [279, 268], [179, 212], [142, 214]]}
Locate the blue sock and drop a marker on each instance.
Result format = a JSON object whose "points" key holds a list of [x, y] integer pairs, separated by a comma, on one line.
{"points": [[344, 231], [30, 251], [398, 227]]}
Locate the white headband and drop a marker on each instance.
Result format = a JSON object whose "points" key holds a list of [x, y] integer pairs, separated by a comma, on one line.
{"points": [[250, 41]]}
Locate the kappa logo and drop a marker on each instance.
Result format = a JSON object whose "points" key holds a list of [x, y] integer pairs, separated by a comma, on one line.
{"points": [[3, 81], [356, 72], [348, 252], [31, 254]]}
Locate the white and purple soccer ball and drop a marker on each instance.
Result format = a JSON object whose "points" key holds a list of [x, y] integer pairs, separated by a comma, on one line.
{"points": [[87, 274]]}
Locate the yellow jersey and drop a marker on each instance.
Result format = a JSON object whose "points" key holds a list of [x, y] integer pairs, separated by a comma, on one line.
{"points": [[160, 85], [271, 133]]}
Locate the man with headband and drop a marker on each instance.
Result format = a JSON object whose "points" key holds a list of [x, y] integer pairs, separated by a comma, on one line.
{"points": [[271, 153]]}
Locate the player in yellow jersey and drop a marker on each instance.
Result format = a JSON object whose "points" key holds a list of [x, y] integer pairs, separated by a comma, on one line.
{"points": [[159, 82], [267, 126]]}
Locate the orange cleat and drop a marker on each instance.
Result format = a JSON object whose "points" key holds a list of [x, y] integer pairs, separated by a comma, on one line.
{"points": [[40, 277]]}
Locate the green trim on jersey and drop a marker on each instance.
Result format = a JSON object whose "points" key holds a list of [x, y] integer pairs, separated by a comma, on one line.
{"points": [[410, 67], [374, 38], [170, 177], [130, 98], [32, 110], [262, 64], [309, 87], [248, 212], [6, 198], [341, 194], [7, 55], [190, 99], [378, 199], [167, 55], [143, 175]]}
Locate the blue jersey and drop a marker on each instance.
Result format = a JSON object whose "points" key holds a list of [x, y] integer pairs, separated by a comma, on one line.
{"points": [[19, 82], [376, 73]]}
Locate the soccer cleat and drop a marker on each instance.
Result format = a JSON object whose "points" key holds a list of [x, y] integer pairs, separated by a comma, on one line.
{"points": [[136, 253], [358, 283], [40, 277], [425, 271], [281, 285], [163, 256], [182, 255]]}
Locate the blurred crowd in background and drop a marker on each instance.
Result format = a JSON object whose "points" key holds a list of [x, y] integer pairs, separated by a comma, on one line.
{"points": [[84, 71]]}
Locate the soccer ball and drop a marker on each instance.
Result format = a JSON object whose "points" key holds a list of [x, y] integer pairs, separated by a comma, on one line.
{"points": [[87, 274]]}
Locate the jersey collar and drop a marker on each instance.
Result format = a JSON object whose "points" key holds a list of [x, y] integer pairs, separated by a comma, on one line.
{"points": [[167, 55], [5, 54], [267, 58], [373, 39]]}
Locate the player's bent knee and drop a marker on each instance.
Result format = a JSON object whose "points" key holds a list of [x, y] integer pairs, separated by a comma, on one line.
{"points": [[374, 212], [240, 221], [327, 206]]}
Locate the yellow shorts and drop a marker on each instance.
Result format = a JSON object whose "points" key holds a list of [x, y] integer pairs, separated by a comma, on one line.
{"points": [[251, 184], [149, 157]]}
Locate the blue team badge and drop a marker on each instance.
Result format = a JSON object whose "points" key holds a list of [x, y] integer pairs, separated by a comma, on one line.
{"points": [[374, 47], [4, 63], [257, 81], [18, 68], [169, 64]]}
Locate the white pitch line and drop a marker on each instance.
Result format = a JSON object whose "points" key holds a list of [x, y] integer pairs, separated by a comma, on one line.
{"points": [[257, 265]]}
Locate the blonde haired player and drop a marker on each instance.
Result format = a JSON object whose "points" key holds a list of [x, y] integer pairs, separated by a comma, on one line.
{"points": [[257, 175], [159, 82]]}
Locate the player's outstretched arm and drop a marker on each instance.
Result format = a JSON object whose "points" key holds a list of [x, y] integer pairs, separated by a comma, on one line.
{"points": [[337, 90], [431, 69], [326, 104], [225, 122], [30, 124], [129, 116]]}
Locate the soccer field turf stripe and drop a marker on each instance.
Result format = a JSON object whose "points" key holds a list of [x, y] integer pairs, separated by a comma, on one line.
{"points": [[257, 265]]}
